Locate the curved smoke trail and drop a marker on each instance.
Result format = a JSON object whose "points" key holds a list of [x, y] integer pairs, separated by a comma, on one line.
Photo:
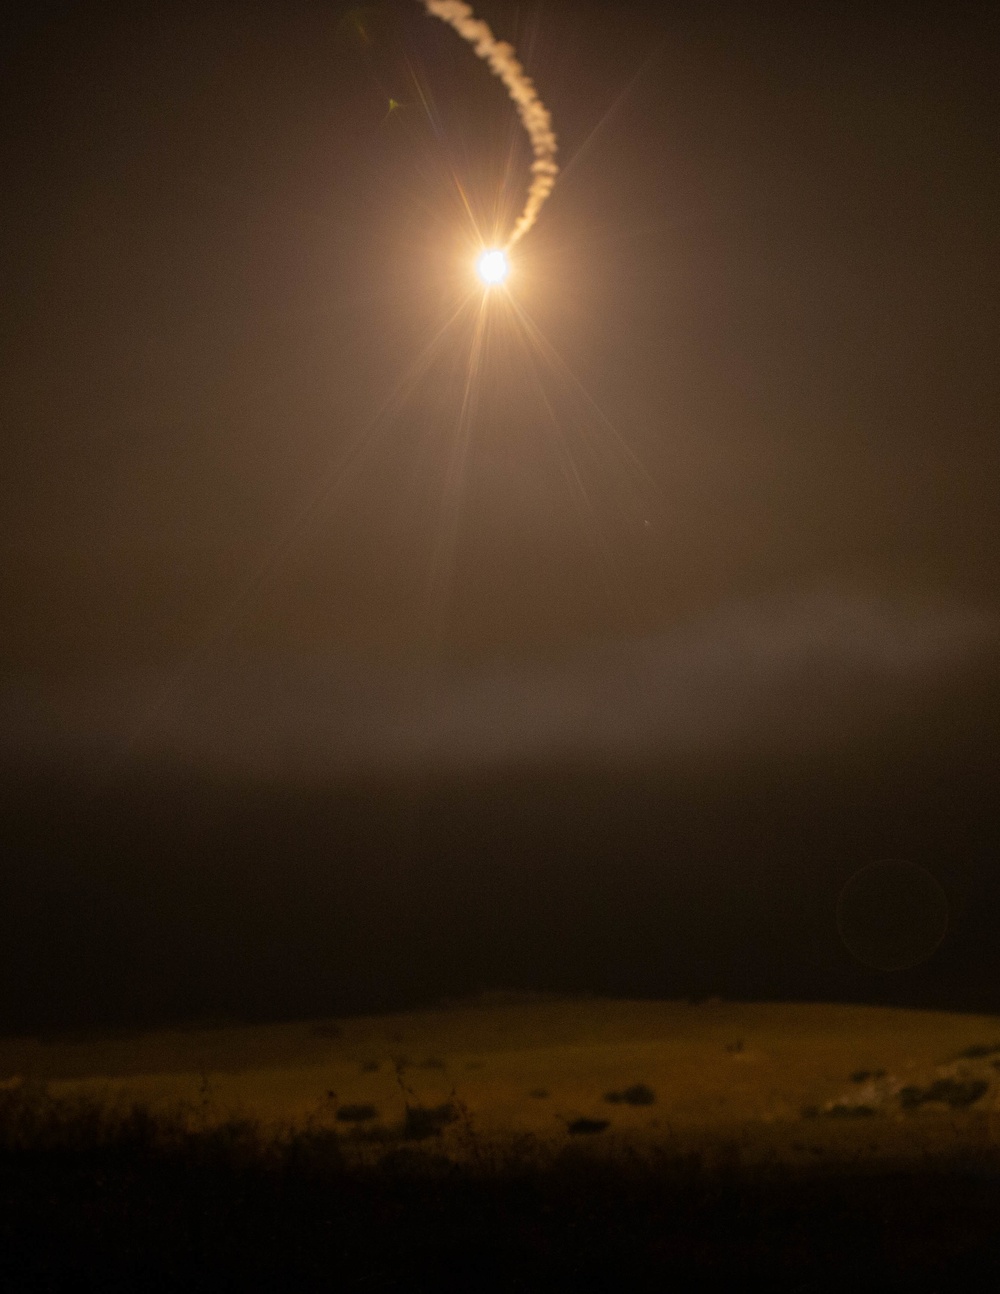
{"points": [[534, 115]]}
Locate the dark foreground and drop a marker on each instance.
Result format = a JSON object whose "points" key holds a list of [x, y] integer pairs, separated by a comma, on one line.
{"points": [[84, 1206]]}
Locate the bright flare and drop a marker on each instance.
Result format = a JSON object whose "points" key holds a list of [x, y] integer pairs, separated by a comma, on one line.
{"points": [[493, 267]]}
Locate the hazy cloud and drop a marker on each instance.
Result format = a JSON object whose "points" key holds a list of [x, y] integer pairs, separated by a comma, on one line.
{"points": [[753, 677]]}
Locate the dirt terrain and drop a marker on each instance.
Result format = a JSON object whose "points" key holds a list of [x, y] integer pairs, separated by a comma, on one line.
{"points": [[788, 1082]]}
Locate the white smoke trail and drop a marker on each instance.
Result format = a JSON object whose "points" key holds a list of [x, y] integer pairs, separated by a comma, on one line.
{"points": [[535, 117]]}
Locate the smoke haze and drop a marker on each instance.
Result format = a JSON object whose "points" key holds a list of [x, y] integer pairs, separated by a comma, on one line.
{"points": [[503, 62]]}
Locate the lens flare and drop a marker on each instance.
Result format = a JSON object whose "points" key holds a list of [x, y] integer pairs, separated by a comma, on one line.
{"points": [[493, 267]]}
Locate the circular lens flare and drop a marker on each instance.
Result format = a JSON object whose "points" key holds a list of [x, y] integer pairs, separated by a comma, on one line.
{"points": [[493, 267]]}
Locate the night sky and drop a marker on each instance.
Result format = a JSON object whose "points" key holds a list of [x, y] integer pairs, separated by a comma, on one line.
{"points": [[366, 642]]}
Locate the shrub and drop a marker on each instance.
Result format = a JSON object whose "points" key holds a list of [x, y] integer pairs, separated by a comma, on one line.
{"points": [[637, 1094], [951, 1091], [356, 1113], [586, 1127], [980, 1051], [423, 1121]]}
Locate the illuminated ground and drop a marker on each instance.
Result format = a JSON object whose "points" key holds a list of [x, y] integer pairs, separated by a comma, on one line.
{"points": [[801, 1083]]}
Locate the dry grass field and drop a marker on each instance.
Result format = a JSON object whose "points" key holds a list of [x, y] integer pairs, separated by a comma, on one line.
{"points": [[510, 1145], [793, 1083]]}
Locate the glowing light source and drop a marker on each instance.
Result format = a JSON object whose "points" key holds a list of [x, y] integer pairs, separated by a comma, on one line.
{"points": [[493, 267]]}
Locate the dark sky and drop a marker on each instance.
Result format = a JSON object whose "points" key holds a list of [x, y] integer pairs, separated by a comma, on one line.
{"points": [[350, 661]]}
